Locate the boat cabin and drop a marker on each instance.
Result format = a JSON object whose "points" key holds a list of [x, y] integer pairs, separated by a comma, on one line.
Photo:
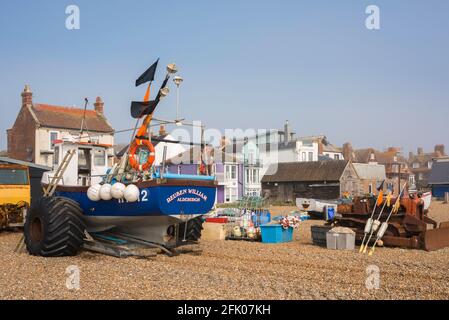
{"points": [[86, 167]]}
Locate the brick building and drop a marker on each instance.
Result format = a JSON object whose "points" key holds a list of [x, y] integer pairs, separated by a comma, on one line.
{"points": [[38, 125]]}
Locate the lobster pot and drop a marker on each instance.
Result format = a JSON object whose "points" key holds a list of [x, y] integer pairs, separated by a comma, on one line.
{"points": [[340, 239], [319, 235]]}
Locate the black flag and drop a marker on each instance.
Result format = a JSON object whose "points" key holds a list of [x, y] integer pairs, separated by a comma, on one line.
{"points": [[140, 108], [164, 84], [147, 75]]}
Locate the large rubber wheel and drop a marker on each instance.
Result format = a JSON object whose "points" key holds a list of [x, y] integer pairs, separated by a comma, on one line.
{"points": [[54, 228], [194, 228]]}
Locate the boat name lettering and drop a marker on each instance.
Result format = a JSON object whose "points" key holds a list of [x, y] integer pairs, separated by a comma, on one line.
{"points": [[182, 192]]}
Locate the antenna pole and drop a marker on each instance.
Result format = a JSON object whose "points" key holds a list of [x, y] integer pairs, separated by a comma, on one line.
{"points": [[86, 101]]}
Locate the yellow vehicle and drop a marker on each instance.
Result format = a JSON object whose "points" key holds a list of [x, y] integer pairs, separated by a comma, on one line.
{"points": [[15, 195]]}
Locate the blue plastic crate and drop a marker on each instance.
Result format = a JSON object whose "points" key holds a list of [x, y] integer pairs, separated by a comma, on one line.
{"points": [[261, 218], [274, 233]]}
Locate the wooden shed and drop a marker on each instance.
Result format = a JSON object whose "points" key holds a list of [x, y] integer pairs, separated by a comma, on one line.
{"points": [[315, 179]]}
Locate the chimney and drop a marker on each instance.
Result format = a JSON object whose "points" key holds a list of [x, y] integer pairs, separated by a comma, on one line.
{"points": [[439, 150], [410, 155], [347, 151], [162, 131], [287, 133], [27, 96], [420, 151], [99, 106]]}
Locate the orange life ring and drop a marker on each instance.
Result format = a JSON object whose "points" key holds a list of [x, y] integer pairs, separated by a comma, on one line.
{"points": [[132, 152]]}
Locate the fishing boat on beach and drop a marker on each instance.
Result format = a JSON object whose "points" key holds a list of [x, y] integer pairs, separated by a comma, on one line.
{"points": [[134, 199]]}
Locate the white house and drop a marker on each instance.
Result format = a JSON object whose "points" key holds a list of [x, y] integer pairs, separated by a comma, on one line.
{"points": [[262, 150], [173, 149]]}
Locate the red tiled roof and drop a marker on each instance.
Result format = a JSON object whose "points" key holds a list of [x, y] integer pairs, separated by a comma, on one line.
{"points": [[70, 118]]}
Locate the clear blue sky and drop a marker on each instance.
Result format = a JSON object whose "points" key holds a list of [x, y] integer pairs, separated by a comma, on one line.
{"points": [[246, 64]]}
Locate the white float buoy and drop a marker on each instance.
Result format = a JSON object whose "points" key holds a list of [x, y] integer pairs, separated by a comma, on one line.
{"points": [[118, 190], [93, 193], [105, 192], [131, 193]]}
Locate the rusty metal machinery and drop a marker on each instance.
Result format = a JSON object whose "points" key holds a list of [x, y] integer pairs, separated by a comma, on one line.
{"points": [[410, 227], [12, 215]]}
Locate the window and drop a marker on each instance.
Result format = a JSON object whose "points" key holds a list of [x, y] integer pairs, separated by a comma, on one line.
{"points": [[247, 175], [429, 164], [310, 156], [254, 176], [336, 157], [370, 188], [231, 172], [13, 177], [53, 137], [303, 156], [415, 165], [95, 140], [100, 157], [230, 194], [227, 195], [251, 157]]}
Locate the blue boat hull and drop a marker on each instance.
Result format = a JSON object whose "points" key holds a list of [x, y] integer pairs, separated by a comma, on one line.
{"points": [[153, 201], [160, 206]]}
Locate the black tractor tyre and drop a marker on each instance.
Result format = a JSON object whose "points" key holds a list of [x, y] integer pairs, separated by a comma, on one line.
{"points": [[194, 228], [54, 227]]}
